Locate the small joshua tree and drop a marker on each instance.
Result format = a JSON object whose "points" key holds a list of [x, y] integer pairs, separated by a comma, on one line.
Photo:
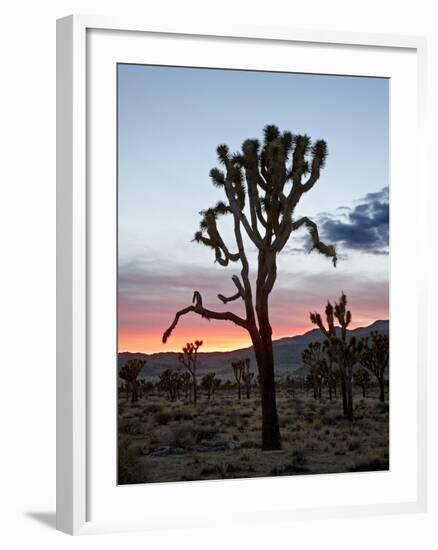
{"points": [[129, 373], [186, 384], [169, 381], [329, 374], [362, 379], [189, 358], [207, 383], [343, 351], [238, 370], [313, 357], [217, 383], [375, 357], [247, 377], [262, 185]]}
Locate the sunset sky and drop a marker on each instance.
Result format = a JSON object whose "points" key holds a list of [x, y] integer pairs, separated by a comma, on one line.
{"points": [[170, 121]]}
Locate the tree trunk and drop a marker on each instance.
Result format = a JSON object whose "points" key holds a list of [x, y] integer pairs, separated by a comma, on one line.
{"points": [[134, 392], [382, 390], [349, 398], [238, 390], [195, 390], [344, 393], [271, 440]]}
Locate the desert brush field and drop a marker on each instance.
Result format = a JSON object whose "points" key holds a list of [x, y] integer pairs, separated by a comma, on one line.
{"points": [[165, 440]]}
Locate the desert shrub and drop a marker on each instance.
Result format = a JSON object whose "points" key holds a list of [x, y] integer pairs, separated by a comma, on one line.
{"points": [[153, 408], [163, 418], [370, 465], [222, 470], [329, 420], [249, 444], [183, 415], [184, 436], [236, 420], [130, 468], [354, 445], [202, 434], [382, 407], [289, 469], [286, 421], [130, 427]]}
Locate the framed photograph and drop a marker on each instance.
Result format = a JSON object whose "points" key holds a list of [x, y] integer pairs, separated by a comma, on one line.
{"points": [[240, 289]]}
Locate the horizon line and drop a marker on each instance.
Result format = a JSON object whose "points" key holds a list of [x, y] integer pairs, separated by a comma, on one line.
{"points": [[244, 348]]}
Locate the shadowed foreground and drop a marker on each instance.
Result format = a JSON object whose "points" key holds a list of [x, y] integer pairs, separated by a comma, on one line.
{"points": [[162, 440]]}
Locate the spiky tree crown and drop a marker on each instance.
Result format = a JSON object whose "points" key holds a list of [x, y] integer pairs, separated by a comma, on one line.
{"points": [[131, 369], [375, 353], [282, 159]]}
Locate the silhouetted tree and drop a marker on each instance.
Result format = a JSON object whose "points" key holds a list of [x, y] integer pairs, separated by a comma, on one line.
{"points": [[344, 351], [238, 369], [375, 357], [247, 377], [217, 383], [362, 379], [277, 173], [329, 374], [146, 386], [170, 381], [189, 358], [207, 383], [186, 384], [313, 357], [129, 373]]}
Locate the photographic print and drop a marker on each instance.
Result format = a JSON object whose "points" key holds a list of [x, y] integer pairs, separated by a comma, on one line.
{"points": [[253, 274]]}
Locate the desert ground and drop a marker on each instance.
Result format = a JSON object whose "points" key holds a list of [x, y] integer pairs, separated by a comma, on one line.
{"points": [[162, 440]]}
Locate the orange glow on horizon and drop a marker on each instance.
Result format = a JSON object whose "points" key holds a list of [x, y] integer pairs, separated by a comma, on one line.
{"points": [[215, 337]]}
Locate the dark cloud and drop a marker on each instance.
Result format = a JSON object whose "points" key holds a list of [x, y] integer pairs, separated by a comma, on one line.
{"points": [[364, 227]]}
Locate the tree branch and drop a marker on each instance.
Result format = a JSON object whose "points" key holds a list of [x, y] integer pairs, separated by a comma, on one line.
{"points": [[239, 294], [226, 299], [327, 250], [207, 314]]}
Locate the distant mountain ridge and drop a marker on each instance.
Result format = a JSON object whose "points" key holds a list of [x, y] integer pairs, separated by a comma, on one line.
{"points": [[287, 354]]}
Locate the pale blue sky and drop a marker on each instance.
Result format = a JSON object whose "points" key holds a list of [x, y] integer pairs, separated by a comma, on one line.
{"points": [[171, 120]]}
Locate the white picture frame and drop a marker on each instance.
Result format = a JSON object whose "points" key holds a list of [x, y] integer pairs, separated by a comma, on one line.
{"points": [[75, 217]]}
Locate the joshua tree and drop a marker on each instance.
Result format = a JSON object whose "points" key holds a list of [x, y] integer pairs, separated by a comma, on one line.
{"points": [[170, 382], [207, 383], [146, 387], [329, 374], [343, 351], [238, 369], [375, 357], [277, 174], [129, 373], [217, 383], [247, 376], [189, 358], [186, 383], [362, 379], [313, 357]]}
